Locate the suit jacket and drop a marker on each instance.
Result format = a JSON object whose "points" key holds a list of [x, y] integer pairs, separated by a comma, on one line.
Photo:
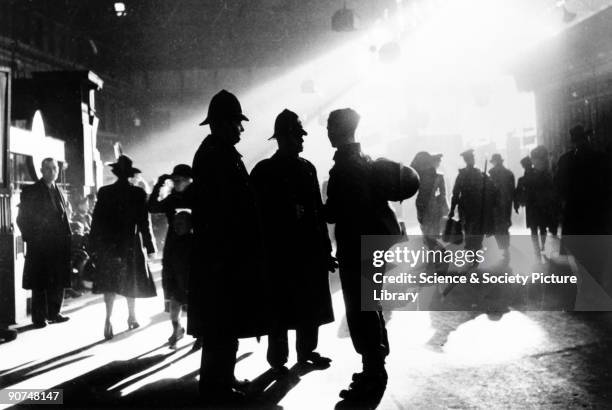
{"points": [[43, 222]]}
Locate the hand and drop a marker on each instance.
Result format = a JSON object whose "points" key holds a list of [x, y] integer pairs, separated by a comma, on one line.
{"points": [[163, 178], [332, 264]]}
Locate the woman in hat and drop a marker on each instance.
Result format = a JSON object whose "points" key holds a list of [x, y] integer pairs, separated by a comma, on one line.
{"points": [[119, 230], [178, 244], [431, 202]]}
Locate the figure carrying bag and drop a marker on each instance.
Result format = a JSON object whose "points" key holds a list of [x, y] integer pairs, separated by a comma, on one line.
{"points": [[452, 231]]}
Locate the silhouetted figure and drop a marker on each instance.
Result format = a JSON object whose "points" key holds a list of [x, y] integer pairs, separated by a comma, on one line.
{"points": [[356, 209], [120, 228], [178, 244], [43, 222], [226, 284], [520, 193], [440, 201], [470, 195], [297, 245], [503, 180], [431, 204], [583, 183]]}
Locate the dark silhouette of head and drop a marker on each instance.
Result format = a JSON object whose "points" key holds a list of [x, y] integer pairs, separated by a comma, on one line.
{"points": [[289, 133], [526, 163], [182, 177], [422, 162], [341, 126], [468, 157], [496, 160], [123, 168], [225, 117]]}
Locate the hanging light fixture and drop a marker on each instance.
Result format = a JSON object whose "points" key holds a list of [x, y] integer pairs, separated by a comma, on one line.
{"points": [[120, 9], [344, 20]]}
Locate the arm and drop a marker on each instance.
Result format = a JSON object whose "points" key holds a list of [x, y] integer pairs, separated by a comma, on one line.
{"points": [[144, 224], [326, 246], [24, 216], [456, 194], [155, 205]]}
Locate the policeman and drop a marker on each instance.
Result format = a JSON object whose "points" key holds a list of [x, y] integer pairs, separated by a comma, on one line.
{"points": [[297, 246], [225, 293]]}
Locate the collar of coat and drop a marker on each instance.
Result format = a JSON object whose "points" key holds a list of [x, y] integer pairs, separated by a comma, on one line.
{"points": [[347, 150], [219, 142]]}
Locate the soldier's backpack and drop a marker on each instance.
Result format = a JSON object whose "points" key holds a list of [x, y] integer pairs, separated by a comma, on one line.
{"points": [[394, 181]]}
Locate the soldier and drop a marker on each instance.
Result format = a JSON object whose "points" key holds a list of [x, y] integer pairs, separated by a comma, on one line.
{"points": [[297, 245], [356, 210], [468, 196], [225, 280], [503, 180]]}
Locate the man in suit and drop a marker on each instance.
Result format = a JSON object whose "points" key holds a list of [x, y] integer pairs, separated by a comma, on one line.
{"points": [[43, 222]]}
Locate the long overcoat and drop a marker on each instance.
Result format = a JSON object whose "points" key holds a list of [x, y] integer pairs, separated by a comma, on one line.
{"points": [[120, 229], [44, 226], [226, 278], [297, 245]]}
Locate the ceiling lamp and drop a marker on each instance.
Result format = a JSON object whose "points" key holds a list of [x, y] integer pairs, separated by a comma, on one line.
{"points": [[120, 10], [344, 20]]}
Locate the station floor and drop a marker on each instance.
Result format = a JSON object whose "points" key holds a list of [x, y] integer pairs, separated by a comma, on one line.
{"points": [[511, 359]]}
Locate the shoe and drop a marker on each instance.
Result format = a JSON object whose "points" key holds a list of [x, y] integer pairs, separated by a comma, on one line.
{"points": [[241, 385], [39, 325], [132, 323], [177, 335], [197, 345], [108, 331], [366, 387], [59, 319], [316, 360]]}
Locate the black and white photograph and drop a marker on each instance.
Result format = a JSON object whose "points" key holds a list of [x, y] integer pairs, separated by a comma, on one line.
{"points": [[306, 204]]}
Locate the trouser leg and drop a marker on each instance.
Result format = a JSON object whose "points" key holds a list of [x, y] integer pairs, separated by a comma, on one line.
{"points": [[217, 366], [39, 305], [55, 299], [278, 348], [306, 340], [367, 328]]}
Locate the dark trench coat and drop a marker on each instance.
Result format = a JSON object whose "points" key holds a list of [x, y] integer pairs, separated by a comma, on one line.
{"points": [[46, 231], [120, 228], [297, 245], [226, 282], [177, 249]]}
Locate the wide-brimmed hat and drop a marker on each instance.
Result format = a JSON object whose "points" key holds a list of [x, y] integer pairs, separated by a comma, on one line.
{"points": [[286, 123], [224, 105], [182, 170], [496, 159], [124, 166]]}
